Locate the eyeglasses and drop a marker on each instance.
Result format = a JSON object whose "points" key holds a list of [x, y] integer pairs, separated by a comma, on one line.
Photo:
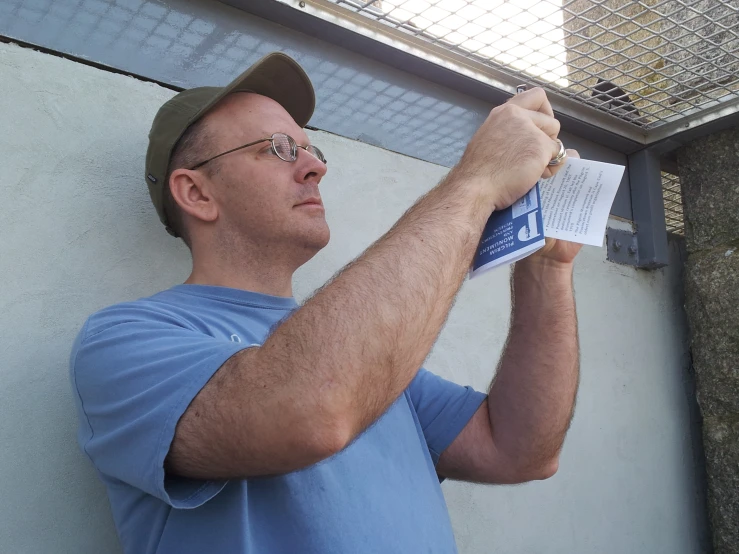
{"points": [[284, 146]]}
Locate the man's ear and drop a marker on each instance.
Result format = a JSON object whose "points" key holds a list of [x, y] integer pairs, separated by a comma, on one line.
{"points": [[190, 189]]}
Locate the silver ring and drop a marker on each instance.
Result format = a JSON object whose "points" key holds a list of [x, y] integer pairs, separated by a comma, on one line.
{"points": [[561, 155]]}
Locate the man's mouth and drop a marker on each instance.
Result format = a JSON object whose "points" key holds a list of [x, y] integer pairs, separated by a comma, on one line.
{"points": [[313, 201]]}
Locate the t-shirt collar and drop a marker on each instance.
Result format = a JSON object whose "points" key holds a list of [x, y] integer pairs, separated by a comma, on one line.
{"points": [[238, 296]]}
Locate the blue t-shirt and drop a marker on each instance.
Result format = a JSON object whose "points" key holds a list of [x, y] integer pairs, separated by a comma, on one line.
{"points": [[135, 368]]}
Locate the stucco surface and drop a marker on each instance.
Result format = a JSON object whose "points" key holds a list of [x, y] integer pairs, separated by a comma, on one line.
{"points": [[78, 233]]}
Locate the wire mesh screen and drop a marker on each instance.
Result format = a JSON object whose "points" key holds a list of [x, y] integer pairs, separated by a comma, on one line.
{"points": [[648, 62], [673, 198]]}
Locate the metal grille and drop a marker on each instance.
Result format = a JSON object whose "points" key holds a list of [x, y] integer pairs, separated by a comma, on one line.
{"points": [[673, 198], [648, 62]]}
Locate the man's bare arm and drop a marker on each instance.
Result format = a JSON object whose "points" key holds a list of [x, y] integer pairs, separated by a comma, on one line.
{"points": [[517, 434], [339, 361]]}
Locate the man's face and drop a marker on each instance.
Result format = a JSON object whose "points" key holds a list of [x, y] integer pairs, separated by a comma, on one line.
{"points": [[261, 198]]}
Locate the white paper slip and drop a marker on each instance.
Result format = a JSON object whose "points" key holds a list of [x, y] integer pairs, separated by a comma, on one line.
{"points": [[577, 200]]}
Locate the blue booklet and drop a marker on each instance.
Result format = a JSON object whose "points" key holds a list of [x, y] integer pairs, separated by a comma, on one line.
{"points": [[511, 234]]}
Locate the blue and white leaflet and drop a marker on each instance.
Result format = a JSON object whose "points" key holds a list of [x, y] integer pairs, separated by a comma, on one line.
{"points": [[511, 234], [573, 206]]}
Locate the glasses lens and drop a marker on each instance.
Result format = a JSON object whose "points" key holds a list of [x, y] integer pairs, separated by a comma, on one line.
{"points": [[284, 147], [312, 150]]}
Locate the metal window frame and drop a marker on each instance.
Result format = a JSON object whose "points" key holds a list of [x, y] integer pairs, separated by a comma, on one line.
{"points": [[647, 148], [479, 83], [332, 23]]}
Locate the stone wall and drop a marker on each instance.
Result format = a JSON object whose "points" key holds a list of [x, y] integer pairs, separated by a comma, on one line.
{"points": [[709, 174]]}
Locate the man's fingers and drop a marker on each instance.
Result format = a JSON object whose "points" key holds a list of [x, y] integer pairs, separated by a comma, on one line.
{"points": [[552, 170], [535, 100], [546, 123]]}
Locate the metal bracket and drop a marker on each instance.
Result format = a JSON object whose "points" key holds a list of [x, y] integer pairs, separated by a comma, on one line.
{"points": [[645, 246], [622, 247]]}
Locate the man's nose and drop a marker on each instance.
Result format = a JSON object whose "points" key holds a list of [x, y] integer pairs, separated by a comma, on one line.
{"points": [[308, 168]]}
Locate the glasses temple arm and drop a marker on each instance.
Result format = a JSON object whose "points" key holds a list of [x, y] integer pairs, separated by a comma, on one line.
{"points": [[201, 164]]}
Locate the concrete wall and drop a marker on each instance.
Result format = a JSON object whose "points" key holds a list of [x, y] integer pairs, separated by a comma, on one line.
{"points": [[77, 233]]}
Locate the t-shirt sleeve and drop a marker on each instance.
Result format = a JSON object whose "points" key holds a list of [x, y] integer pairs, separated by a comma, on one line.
{"points": [[443, 409], [135, 371]]}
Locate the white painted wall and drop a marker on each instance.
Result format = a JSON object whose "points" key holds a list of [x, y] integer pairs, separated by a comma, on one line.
{"points": [[77, 232]]}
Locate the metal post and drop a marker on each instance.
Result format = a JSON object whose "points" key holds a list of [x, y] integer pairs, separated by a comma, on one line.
{"points": [[648, 209]]}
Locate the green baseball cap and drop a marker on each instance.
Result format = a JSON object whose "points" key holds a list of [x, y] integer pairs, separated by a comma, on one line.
{"points": [[276, 76]]}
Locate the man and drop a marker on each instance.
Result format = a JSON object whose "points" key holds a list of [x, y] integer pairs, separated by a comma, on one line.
{"points": [[224, 418]]}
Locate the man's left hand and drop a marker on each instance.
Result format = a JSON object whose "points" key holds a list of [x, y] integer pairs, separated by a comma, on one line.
{"points": [[557, 250]]}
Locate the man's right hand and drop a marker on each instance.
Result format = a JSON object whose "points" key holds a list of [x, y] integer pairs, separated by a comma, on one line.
{"points": [[511, 150]]}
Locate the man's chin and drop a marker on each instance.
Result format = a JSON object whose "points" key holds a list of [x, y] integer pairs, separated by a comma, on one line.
{"points": [[316, 239], [320, 242]]}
